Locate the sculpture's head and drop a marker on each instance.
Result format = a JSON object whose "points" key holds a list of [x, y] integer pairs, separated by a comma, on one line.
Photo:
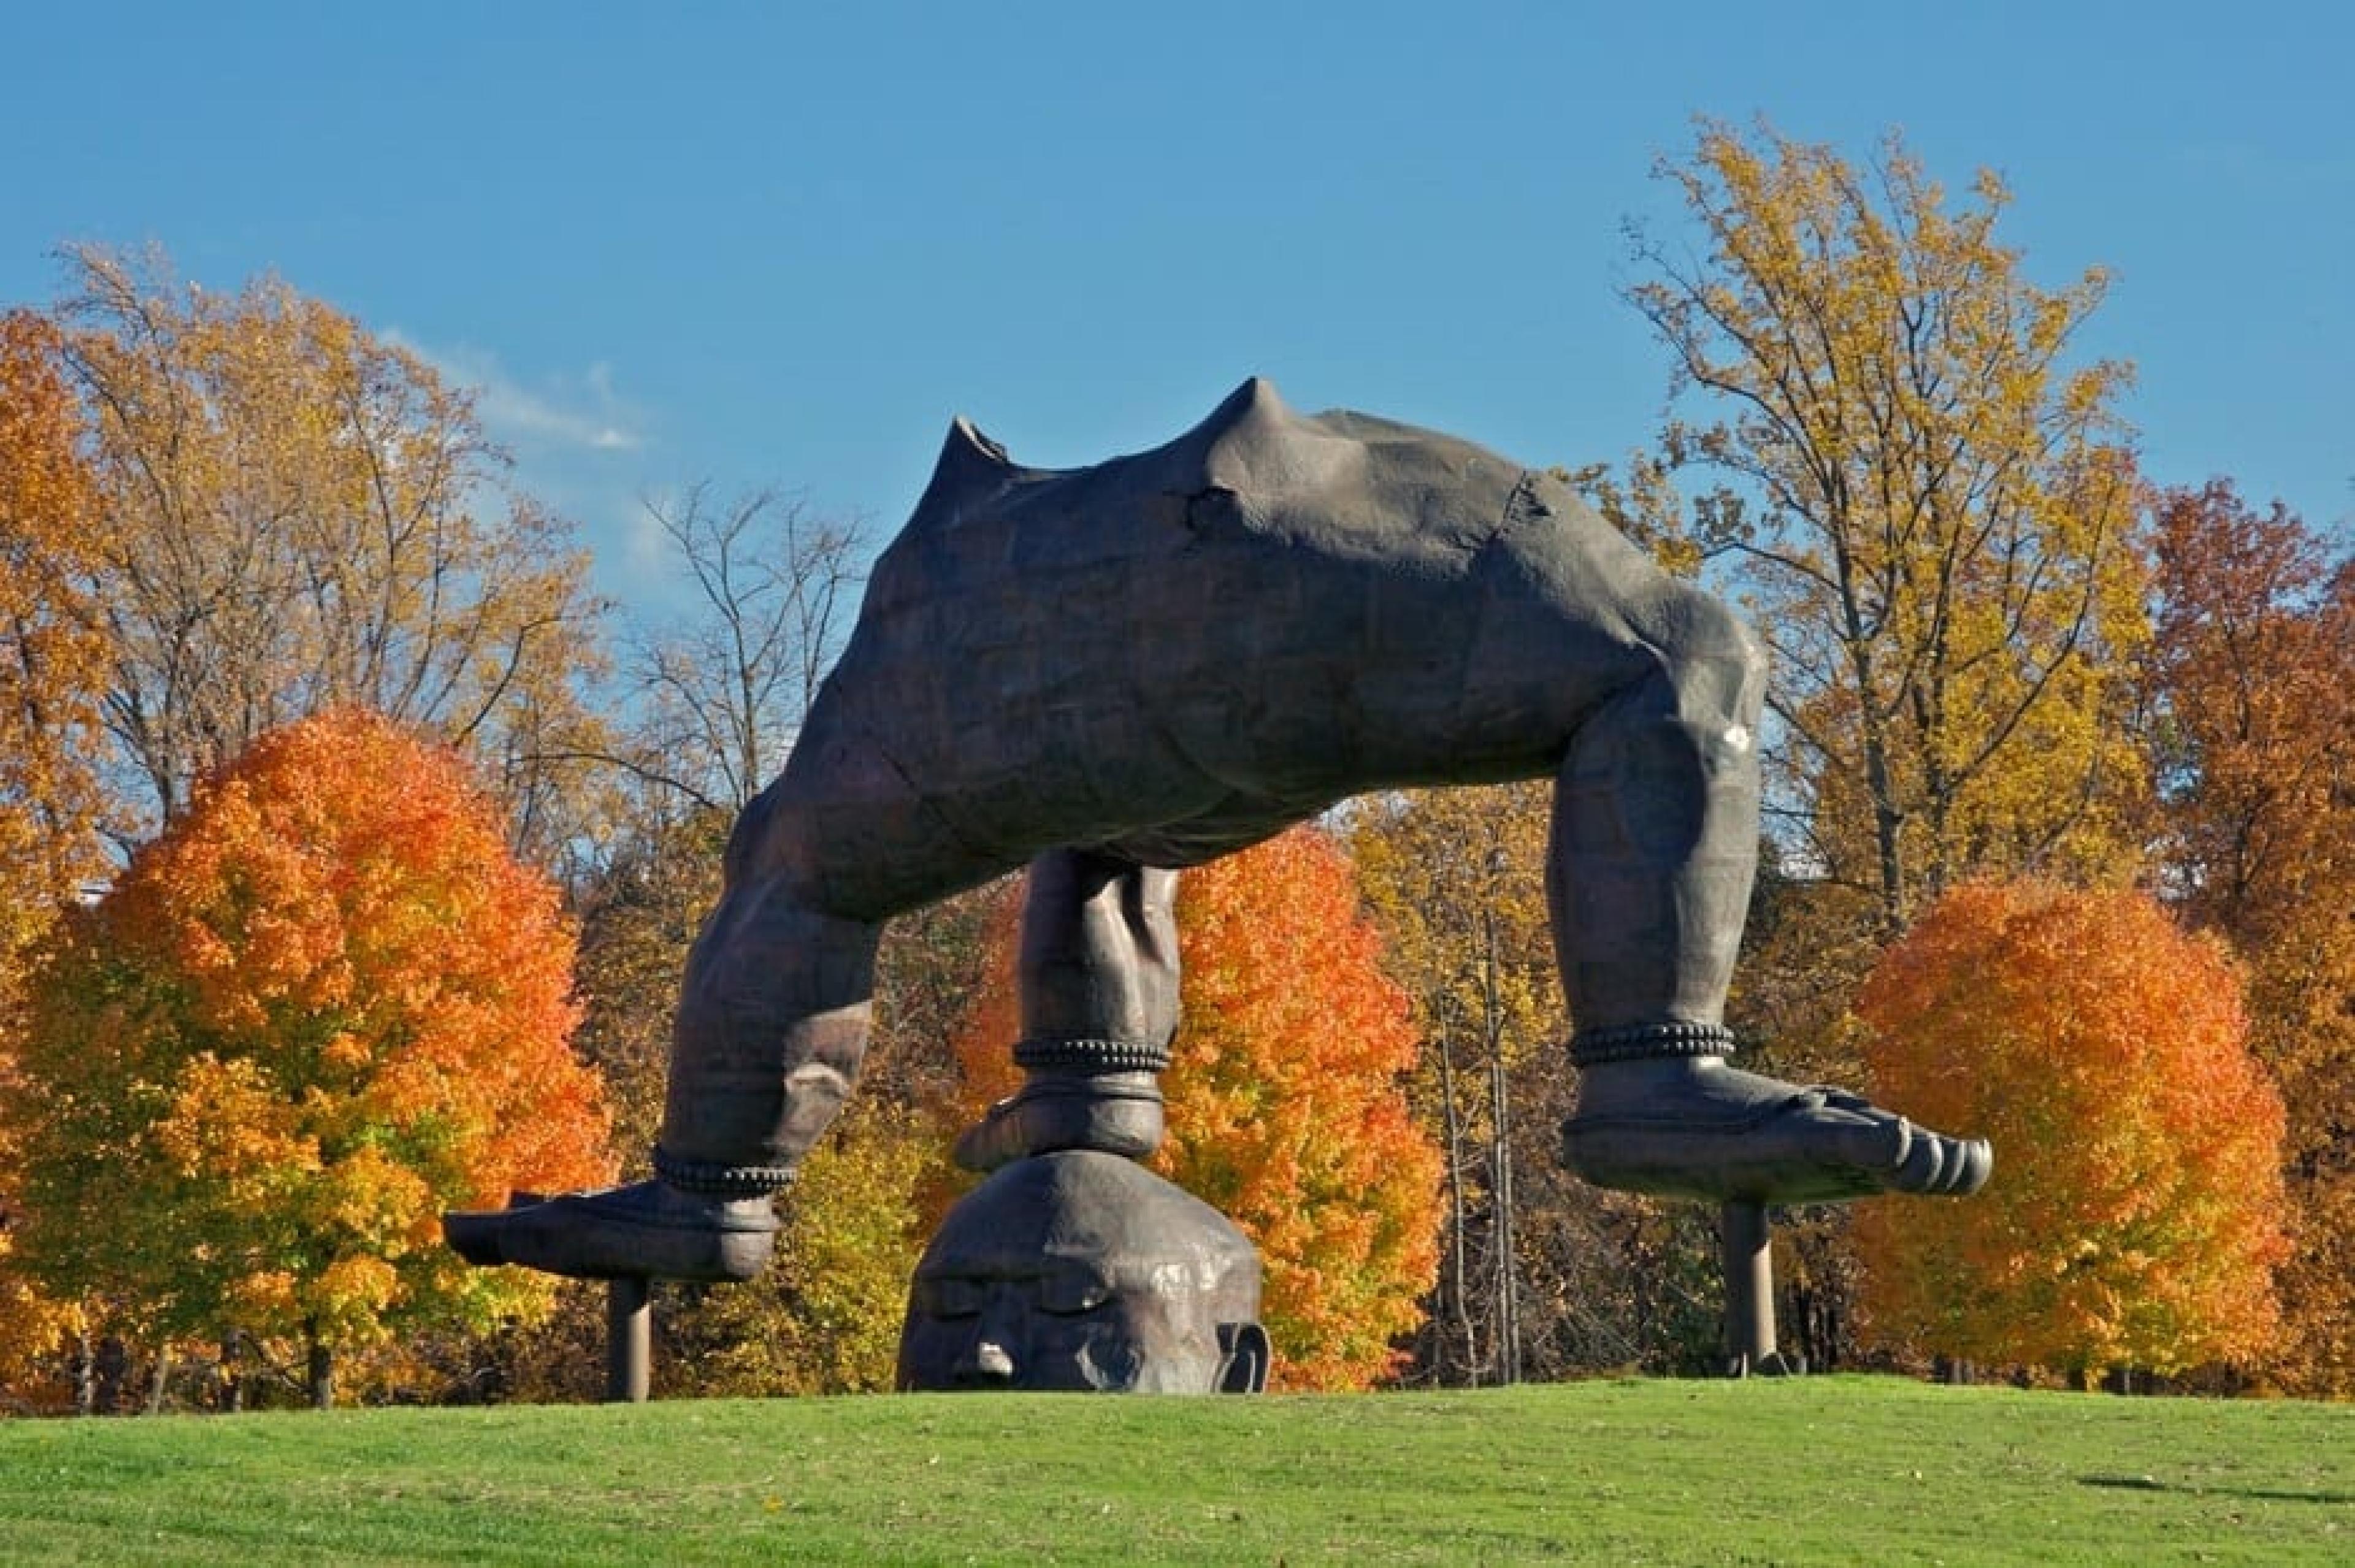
{"points": [[1082, 1272]]}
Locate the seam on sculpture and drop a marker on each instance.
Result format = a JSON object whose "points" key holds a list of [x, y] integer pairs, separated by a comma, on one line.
{"points": [[1523, 490], [1198, 532], [925, 802]]}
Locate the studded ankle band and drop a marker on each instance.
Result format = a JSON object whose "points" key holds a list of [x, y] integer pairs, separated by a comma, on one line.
{"points": [[708, 1180], [1092, 1055], [1638, 1042]]}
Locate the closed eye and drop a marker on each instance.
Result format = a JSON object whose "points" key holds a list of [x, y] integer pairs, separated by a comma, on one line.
{"points": [[1072, 1294], [948, 1299]]}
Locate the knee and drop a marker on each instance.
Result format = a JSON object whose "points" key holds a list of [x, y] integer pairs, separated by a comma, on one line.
{"points": [[1715, 664], [1658, 762]]}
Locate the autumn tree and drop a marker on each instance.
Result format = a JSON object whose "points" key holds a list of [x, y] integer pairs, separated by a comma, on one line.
{"points": [[2136, 1217], [51, 659], [2251, 710], [1455, 881], [37, 1331], [1285, 1104], [1541, 1274], [1928, 509], [292, 514], [51, 669], [322, 1008]]}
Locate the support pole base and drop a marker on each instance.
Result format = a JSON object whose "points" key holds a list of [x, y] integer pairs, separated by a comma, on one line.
{"points": [[629, 1340]]}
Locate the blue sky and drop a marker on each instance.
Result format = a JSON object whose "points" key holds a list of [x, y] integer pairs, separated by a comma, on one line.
{"points": [[783, 244]]}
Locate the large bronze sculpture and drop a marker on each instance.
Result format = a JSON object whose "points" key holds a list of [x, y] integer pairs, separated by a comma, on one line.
{"points": [[1115, 672]]}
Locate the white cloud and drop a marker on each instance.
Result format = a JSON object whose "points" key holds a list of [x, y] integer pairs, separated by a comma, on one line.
{"points": [[580, 445], [564, 411], [645, 546]]}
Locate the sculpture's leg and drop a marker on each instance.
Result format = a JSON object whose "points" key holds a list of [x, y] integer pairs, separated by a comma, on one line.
{"points": [[771, 1024], [1099, 988], [1656, 833]]}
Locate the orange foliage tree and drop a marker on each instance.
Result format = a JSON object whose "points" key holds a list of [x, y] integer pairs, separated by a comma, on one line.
{"points": [[2254, 697], [52, 662], [324, 1007], [2136, 1217], [1286, 1112], [52, 668]]}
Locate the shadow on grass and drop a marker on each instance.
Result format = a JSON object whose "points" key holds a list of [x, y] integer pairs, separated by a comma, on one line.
{"points": [[2253, 1494]]}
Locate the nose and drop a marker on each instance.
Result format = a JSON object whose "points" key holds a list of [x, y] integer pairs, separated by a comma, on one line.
{"points": [[988, 1360], [985, 1362]]}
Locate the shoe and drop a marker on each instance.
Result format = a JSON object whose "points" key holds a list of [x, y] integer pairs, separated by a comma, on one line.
{"points": [[648, 1230], [1699, 1129]]}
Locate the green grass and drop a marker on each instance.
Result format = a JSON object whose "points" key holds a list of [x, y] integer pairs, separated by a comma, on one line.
{"points": [[1831, 1471]]}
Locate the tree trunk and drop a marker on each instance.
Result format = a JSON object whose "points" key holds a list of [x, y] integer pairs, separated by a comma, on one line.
{"points": [[161, 1381], [1888, 823], [1500, 1158], [319, 1372], [230, 1393], [112, 1371], [1507, 1335], [1815, 1320], [1454, 1284], [84, 1368]]}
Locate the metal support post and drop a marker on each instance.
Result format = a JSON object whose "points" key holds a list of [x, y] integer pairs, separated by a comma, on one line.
{"points": [[629, 1340]]}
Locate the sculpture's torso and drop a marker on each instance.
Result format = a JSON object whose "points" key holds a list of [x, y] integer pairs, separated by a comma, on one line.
{"points": [[1186, 649]]}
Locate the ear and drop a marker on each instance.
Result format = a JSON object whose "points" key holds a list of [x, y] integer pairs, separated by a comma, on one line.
{"points": [[1245, 1357], [1254, 446], [1255, 401], [970, 465], [1247, 420]]}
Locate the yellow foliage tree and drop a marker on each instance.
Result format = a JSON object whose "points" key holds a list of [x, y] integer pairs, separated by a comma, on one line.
{"points": [[1455, 880], [294, 514], [52, 665], [1929, 513], [1882, 442], [825, 1318], [52, 660]]}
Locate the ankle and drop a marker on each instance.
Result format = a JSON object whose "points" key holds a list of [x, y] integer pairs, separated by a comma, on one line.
{"points": [[1666, 1042], [1085, 1057], [711, 1182], [1066, 1083]]}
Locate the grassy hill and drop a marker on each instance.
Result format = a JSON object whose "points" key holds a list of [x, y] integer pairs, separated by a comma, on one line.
{"points": [[1828, 1471]]}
